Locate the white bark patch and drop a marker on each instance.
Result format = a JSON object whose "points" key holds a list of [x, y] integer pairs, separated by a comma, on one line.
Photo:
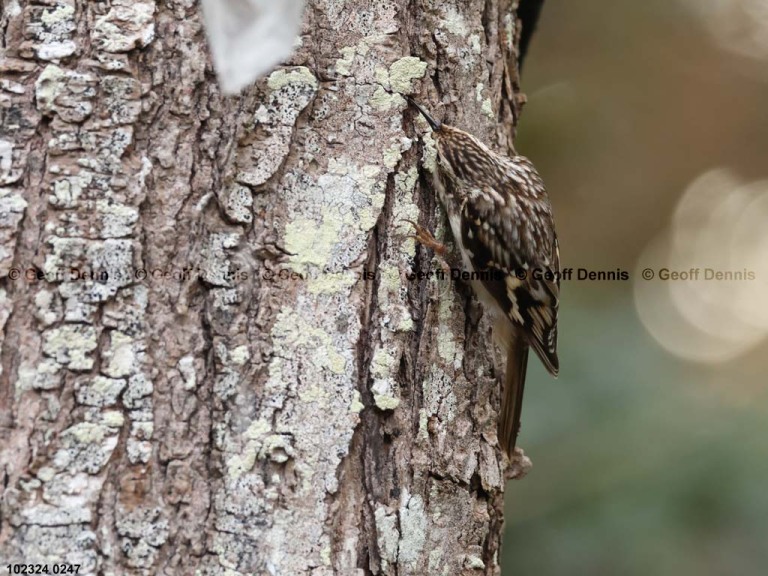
{"points": [[383, 369], [120, 356], [387, 536], [344, 204], [65, 93], [126, 26], [85, 447], [142, 532], [291, 91], [413, 527], [99, 391], [237, 201], [12, 207], [51, 29]]}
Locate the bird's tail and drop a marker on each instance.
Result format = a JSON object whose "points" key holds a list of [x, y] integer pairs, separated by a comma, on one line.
{"points": [[512, 401]]}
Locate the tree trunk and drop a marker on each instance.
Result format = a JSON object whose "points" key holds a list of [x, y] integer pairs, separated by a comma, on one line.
{"points": [[213, 360]]}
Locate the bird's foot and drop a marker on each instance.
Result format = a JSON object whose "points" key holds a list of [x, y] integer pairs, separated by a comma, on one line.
{"points": [[425, 238]]}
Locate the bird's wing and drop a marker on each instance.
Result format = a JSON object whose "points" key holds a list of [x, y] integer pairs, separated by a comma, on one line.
{"points": [[508, 228]]}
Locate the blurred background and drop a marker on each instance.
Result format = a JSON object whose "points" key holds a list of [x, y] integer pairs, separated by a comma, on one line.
{"points": [[649, 123]]}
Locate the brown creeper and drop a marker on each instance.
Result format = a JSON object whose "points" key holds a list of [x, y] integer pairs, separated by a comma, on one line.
{"points": [[501, 220]]}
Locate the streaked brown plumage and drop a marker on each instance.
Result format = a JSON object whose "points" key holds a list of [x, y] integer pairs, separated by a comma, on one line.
{"points": [[501, 220]]}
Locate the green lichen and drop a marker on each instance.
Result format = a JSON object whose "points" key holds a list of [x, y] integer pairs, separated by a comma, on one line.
{"points": [[71, 345], [122, 359], [61, 12], [359, 199], [387, 536], [383, 100], [313, 249], [382, 76], [386, 402], [293, 331], [48, 86], [86, 432], [429, 157], [113, 418], [382, 363], [403, 71], [487, 108], [240, 355], [257, 429], [298, 75], [392, 156], [357, 405], [344, 64], [325, 555], [239, 464], [331, 283]]}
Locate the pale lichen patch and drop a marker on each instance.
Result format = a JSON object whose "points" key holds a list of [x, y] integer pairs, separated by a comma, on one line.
{"points": [[386, 402], [413, 529], [85, 447], [240, 355], [392, 156], [237, 201], [387, 536], [292, 90], [382, 76], [446, 341], [71, 345], [429, 156], [454, 22], [474, 562], [312, 249], [474, 42], [383, 100], [45, 375], [344, 64], [357, 405], [52, 17], [299, 75], [383, 368], [332, 282], [348, 200], [12, 208], [294, 331], [186, 367], [404, 71], [99, 391], [509, 30], [120, 356], [126, 26], [113, 418], [117, 220]]}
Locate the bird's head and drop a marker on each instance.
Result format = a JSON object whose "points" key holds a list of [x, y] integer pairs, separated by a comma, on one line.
{"points": [[459, 153]]}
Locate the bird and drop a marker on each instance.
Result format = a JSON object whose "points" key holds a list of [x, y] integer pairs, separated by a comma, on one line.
{"points": [[501, 221]]}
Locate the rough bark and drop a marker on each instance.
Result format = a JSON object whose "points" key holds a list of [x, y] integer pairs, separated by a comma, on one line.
{"points": [[198, 375]]}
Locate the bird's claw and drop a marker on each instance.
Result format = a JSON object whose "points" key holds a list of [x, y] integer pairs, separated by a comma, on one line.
{"points": [[425, 238]]}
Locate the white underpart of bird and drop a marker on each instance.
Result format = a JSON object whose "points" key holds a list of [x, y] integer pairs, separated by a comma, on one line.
{"points": [[249, 37]]}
